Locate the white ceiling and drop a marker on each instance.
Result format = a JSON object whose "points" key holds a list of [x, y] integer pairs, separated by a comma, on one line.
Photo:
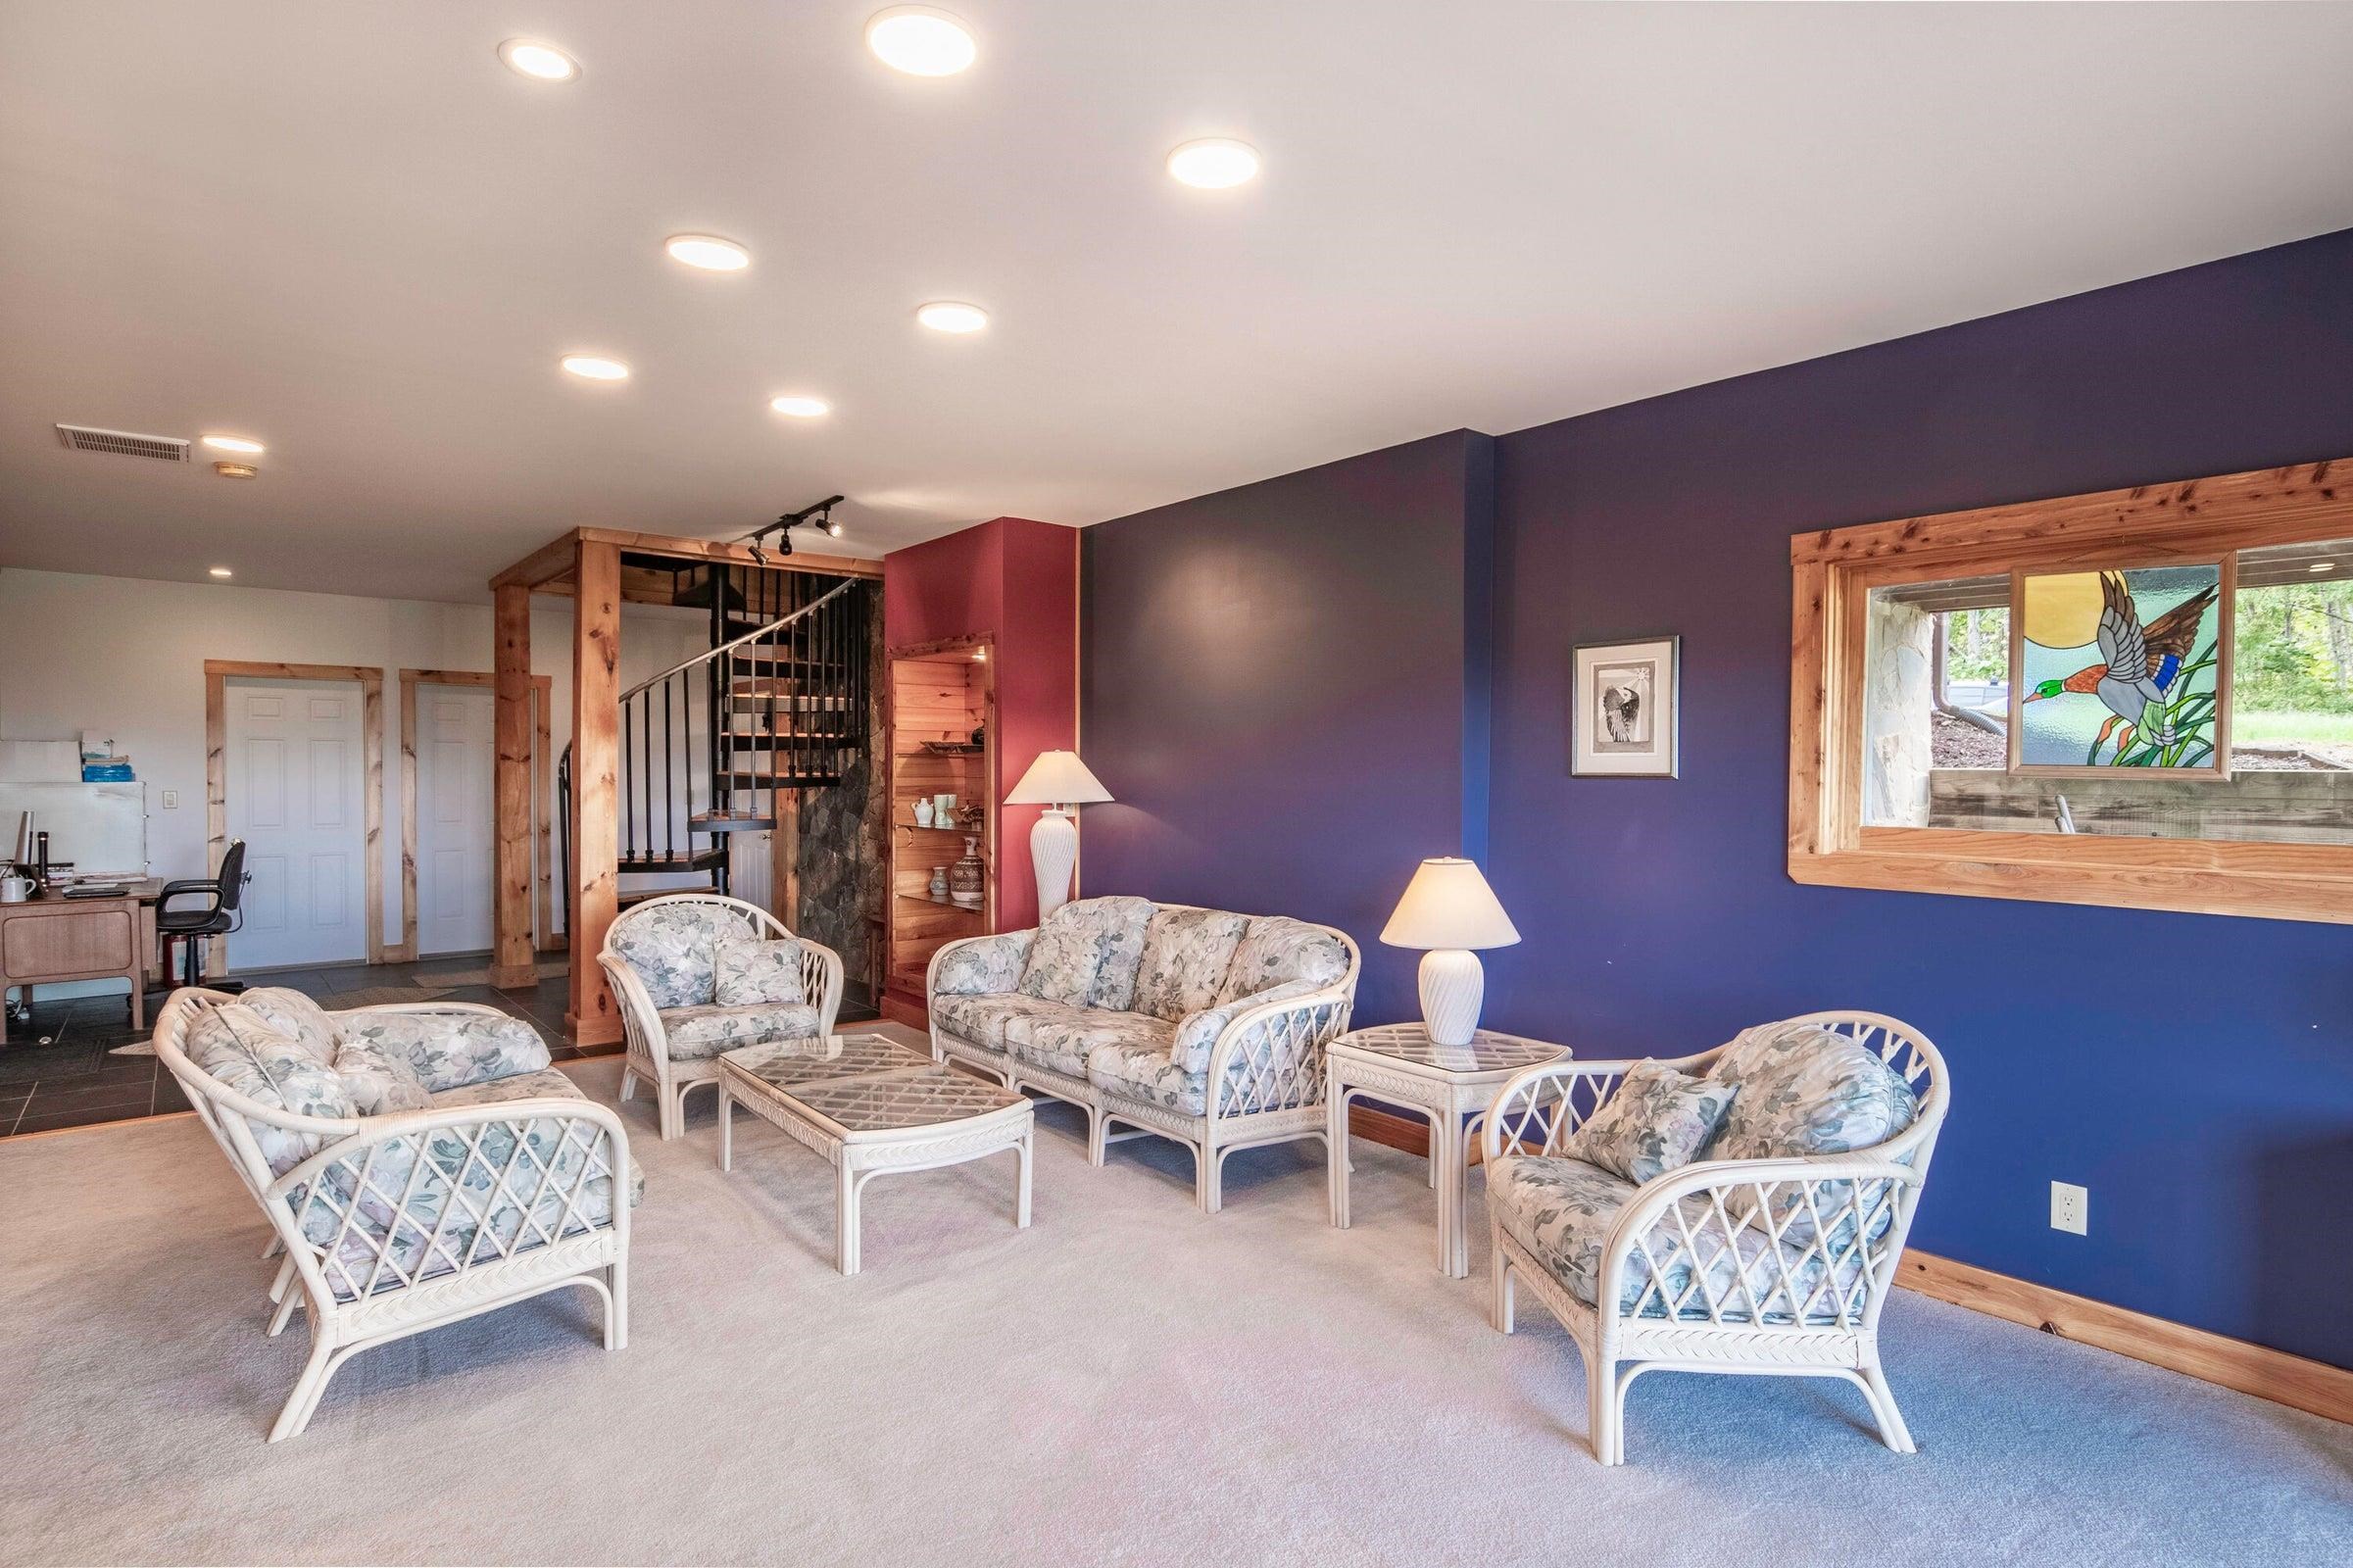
{"points": [[347, 231]]}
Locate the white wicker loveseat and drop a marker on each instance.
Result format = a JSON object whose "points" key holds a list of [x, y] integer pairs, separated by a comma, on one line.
{"points": [[418, 1164], [1194, 1024], [675, 962], [1770, 1253]]}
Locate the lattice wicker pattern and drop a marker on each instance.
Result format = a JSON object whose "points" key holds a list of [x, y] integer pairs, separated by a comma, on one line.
{"points": [[648, 1043], [1265, 1068], [1763, 1265], [401, 1222]]}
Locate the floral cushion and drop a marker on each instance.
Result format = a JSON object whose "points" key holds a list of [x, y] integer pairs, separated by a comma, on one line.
{"points": [[297, 1017], [989, 1020], [429, 1234], [1086, 953], [236, 1047], [696, 1034], [1065, 1045], [672, 948], [1656, 1120], [1805, 1091], [1186, 956], [1275, 948], [1139, 1070], [380, 1077], [748, 969], [448, 1049], [1198, 1032], [984, 964], [1562, 1211]]}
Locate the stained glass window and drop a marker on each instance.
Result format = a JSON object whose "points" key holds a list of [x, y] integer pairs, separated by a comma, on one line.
{"points": [[2122, 668]]}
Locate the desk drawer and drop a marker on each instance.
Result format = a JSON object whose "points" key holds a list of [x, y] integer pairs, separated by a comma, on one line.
{"points": [[67, 942]]}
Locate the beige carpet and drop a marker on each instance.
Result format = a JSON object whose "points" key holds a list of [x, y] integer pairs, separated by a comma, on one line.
{"points": [[1128, 1382]]}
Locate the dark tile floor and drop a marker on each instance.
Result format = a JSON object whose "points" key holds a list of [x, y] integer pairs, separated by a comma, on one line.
{"points": [[71, 1079], [57, 1070]]}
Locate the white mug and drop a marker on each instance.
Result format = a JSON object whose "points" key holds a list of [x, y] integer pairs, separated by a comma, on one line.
{"points": [[15, 889]]}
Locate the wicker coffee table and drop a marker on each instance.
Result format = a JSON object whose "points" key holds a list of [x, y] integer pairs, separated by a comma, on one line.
{"points": [[869, 1106]]}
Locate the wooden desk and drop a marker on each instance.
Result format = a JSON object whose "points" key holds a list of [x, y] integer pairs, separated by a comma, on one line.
{"points": [[49, 939]]}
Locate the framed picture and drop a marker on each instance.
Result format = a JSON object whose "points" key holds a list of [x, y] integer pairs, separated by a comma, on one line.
{"points": [[1624, 709], [2124, 667]]}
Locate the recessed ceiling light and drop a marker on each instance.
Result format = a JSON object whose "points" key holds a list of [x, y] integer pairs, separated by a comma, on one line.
{"points": [[1215, 163], [708, 252], [949, 316], [2320, 566], [236, 471], [222, 572], [233, 443], [800, 407], [591, 367], [540, 62], [921, 40]]}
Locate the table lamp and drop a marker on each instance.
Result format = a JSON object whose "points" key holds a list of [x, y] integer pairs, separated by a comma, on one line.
{"points": [[1449, 909], [1060, 782]]}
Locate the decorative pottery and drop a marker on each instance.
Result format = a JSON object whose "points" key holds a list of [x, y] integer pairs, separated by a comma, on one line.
{"points": [[943, 808], [966, 879], [939, 884], [923, 812]]}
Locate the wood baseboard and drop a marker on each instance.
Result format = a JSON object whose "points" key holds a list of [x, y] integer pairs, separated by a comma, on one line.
{"points": [[2267, 1374]]}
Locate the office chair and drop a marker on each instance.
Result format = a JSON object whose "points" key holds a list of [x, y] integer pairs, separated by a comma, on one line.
{"points": [[217, 917]]}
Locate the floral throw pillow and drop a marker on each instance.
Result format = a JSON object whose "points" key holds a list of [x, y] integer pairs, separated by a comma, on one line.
{"points": [[750, 970], [1658, 1121]]}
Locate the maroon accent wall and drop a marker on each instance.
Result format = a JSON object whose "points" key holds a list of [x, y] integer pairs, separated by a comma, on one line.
{"points": [[1015, 581]]}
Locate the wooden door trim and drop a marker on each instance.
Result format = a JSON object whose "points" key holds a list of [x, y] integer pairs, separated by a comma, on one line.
{"points": [[404, 951], [218, 674]]}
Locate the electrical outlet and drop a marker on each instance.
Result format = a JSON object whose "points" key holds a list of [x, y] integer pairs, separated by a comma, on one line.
{"points": [[170, 800], [2071, 1209]]}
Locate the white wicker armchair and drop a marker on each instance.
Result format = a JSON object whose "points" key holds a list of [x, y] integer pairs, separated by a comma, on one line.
{"points": [[402, 1221], [674, 1027], [1768, 1266]]}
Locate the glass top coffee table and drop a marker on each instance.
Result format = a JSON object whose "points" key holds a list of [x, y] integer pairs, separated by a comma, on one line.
{"points": [[870, 1105]]}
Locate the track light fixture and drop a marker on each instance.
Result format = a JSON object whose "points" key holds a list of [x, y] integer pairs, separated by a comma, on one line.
{"points": [[780, 532]]}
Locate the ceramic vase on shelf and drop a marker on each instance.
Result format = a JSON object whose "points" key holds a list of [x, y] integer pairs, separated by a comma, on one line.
{"points": [[966, 879], [942, 810], [923, 812], [939, 884]]}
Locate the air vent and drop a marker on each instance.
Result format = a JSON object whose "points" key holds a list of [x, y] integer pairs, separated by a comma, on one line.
{"points": [[122, 444]]}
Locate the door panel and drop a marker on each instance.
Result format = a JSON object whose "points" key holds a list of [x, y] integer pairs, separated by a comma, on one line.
{"points": [[455, 833], [295, 783]]}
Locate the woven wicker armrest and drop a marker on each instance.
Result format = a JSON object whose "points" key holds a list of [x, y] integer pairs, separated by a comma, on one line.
{"points": [[1270, 1055]]}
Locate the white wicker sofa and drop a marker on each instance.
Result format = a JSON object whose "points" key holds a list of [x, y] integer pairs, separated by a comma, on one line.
{"points": [[1199, 1025], [673, 960], [418, 1164], [1772, 1252]]}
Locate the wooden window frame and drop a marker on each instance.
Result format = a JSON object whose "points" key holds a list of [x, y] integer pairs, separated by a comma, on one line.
{"points": [[1832, 573]]}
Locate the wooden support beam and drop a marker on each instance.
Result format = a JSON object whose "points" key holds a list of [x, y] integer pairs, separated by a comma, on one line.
{"points": [[728, 552], [511, 962], [596, 792], [784, 859], [549, 561]]}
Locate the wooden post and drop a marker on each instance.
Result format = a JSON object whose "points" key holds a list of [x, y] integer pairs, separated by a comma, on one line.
{"points": [[596, 793], [784, 859], [511, 963]]}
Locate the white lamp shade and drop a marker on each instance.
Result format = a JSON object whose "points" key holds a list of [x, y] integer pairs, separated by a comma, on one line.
{"points": [[1057, 778], [1448, 905]]}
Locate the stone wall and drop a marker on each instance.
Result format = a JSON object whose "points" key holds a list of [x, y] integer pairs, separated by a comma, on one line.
{"points": [[1897, 707], [843, 864]]}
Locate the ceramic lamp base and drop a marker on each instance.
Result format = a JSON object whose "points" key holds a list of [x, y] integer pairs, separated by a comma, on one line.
{"points": [[1453, 987], [1053, 854]]}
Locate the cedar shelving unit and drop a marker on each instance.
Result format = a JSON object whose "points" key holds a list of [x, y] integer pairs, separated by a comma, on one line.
{"points": [[939, 692]]}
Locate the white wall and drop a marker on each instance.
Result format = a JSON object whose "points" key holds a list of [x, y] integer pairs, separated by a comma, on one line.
{"points": [[125, 657]]}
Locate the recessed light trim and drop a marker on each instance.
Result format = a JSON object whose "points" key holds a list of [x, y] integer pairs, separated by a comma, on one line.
{"points": [[221, 572], [952, 316], [236, 471], [2321, 565], [921, 40], [595, 367], [235, 443], [1214, 163], [540, 62], [800, 407], [708, 253]]}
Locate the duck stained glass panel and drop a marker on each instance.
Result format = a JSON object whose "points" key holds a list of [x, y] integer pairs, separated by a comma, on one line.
{"points": [[2122, 668]]}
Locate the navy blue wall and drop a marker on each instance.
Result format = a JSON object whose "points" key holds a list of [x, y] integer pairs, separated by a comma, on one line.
{"points": [[2215, 1130], [1275, 689]]}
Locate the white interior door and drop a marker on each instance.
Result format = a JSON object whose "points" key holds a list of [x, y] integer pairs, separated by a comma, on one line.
{"points": [[456, 740], [295, 780]]}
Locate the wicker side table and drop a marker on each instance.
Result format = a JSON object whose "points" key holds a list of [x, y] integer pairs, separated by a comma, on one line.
{"points": [[1397, 1065]]}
